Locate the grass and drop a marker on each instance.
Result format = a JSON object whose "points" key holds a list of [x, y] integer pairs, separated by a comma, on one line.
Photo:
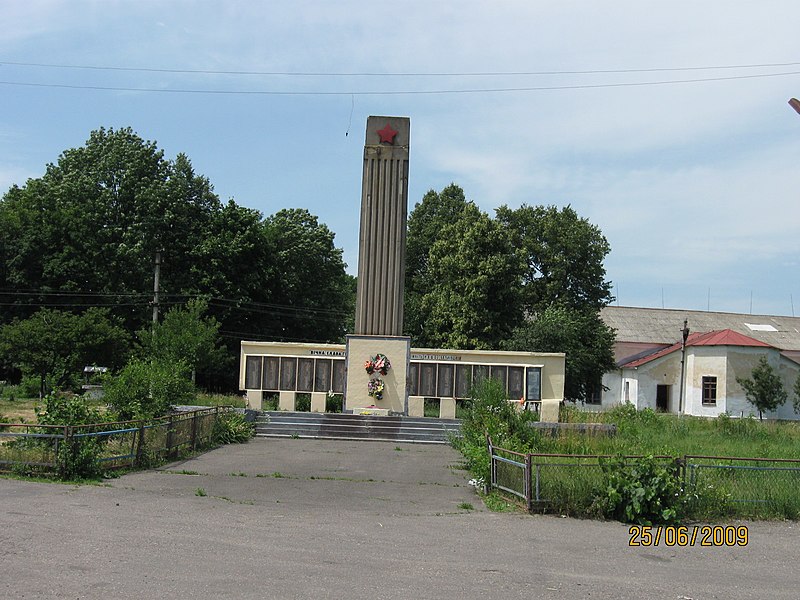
{"points": [[200, 492], [713, 488], [647, 432], [205, 399]]}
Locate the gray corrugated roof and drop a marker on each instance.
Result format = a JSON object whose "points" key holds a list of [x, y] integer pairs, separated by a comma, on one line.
{"points": [[663, 326]]}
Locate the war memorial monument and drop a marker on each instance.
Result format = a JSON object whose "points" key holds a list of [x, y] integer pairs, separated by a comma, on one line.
{"points": [[376, 370]]}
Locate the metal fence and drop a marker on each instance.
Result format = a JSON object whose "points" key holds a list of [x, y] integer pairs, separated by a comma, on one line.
{"points": [[756, 486], [46, 448]]}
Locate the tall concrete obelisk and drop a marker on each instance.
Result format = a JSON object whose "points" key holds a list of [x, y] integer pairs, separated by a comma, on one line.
{"points": [[381, 272], [382, 238]]}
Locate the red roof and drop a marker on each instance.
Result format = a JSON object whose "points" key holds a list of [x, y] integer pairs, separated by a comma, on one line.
{"points": [[725, 337]]}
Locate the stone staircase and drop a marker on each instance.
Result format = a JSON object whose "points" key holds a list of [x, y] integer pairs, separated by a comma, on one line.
{"points": [[356, 427]]}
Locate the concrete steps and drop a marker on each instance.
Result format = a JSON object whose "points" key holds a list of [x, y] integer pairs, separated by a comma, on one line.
{"points": [[356, 427]]}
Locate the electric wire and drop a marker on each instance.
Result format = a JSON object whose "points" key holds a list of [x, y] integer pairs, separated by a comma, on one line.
{"points": [[230, 92], [399, 74]]}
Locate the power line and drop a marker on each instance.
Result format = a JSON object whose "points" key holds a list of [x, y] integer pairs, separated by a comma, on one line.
{"points": [[397, 92], [284, 310], [396, 74]]}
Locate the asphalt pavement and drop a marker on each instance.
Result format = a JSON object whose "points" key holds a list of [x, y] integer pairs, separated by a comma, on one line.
{"points": [[294, 518]]}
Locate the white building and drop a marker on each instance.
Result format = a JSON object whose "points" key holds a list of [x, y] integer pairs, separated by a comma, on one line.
{"points": [[720, 348]]}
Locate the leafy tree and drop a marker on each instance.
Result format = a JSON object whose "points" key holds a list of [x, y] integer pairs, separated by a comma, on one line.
{"points": [[186, 335], [314, 295], [55, 345], [564, 256], [796, 401], [531, 279], [581, 334], [425, 223], [145, 389], [470, 299], [85, 234], [764, 388]]}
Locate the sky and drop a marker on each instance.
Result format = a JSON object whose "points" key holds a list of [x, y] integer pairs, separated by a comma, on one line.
{"points": [[666, 124]]}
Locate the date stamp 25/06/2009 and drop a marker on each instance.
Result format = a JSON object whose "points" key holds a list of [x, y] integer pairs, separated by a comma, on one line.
{"points": [[718, 536]]}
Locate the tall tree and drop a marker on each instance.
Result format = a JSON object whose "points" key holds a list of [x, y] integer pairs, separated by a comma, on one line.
{"points": [[186, 335], [86, 232], [764, 388], [530, 279], [469, 299], [564, 256], [55, 345], [312, 292], [425, 223], [581, 334]]}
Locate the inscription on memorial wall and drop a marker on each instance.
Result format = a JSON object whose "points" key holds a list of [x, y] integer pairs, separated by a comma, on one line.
{"points": [[427, 379], [338, 376], [444, 388], [322, 375], [288, 374], [305, 375], [252, 372], [271, 373]]}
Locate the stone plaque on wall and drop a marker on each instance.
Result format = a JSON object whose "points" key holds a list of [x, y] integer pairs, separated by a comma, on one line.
{"points": [[252, 373], [479, 373], [413, 379], [534, 387], [444, 387], [322, 375], [288, 373], [463, 380], [338, 376], [500, 373], [515, 387], [271, 373], [427, 380], [305, 375]]}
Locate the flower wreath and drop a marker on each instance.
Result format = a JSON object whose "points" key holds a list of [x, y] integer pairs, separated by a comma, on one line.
{"points": [[379, 363], [375, 388]]}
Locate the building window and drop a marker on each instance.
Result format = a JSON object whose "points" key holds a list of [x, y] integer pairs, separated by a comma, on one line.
{"points": [[710, 391]]}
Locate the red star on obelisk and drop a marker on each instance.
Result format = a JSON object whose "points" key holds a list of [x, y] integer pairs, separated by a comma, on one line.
{"points": [[387, 134]]}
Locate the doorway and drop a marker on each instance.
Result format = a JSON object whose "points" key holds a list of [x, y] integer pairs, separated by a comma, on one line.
{"points": [[662, 398]]}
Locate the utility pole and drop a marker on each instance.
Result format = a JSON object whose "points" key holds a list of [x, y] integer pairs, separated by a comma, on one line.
{"points": [[156, 274], [685, 332]]}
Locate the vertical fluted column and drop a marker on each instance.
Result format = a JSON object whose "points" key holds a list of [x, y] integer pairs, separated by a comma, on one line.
{"points": [[382, 235]]}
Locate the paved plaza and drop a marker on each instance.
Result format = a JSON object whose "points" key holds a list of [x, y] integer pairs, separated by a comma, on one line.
{"points": [[290, 518]]}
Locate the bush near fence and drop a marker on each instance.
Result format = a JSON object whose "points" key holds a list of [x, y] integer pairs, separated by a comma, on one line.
{"points": [[80, 451], [638, 489]]}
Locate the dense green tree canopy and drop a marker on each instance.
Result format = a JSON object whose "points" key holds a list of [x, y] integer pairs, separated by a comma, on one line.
{"points": [[188, 336], [467, 300], [580, 333], [530, 279], [55, 345], [564, 256], [86, 233]]}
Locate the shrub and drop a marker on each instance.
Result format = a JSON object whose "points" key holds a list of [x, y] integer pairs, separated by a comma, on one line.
{"points": [[78, 457], [147, 389], [302, 402], [333, 403], [232, 428], [641, 490], [489, 412]]}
